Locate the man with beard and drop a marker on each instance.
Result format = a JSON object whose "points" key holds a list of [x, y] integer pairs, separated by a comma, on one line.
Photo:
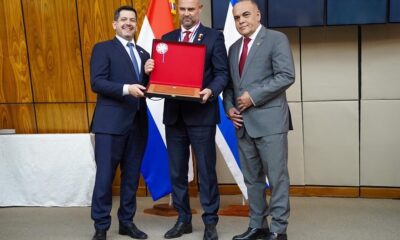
{"points": [[194, 123], [119, 122]]}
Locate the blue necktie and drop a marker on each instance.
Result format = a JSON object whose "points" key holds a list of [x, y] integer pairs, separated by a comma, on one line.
{"points": [[134, 62]]}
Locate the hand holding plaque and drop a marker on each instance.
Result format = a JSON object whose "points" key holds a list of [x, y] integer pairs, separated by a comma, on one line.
{"points": [[177, 70]]}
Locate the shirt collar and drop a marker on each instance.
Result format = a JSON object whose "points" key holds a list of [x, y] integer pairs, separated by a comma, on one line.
{"points": [[254, 35], [124, 42]]}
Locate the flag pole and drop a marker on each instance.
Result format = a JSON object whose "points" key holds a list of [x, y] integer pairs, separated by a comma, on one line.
{"points": [[162, 209], [237, 210], [167, 209], [157, 21]]}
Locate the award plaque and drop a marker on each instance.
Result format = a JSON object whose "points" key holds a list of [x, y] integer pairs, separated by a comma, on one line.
{"points": [[178, 71]]}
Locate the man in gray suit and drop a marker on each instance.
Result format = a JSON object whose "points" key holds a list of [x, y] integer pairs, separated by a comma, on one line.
{"points": [[261, 67]]}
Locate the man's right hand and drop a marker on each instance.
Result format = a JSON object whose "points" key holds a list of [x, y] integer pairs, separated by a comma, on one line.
{"points": [[149, 66], [136, 90], [235, 116]]}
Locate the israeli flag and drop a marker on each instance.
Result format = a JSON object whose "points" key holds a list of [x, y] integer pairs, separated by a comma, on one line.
{"points": [[230, 32]]}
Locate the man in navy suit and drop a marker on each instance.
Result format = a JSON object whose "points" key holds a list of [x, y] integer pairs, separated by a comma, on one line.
{"points": [[119, 122], [194, 123]]}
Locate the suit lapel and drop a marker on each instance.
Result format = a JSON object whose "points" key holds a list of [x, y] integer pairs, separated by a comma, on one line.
{"points": [[142, 59], [127, 58], [253, 51], [235, 59], [177, 35]]}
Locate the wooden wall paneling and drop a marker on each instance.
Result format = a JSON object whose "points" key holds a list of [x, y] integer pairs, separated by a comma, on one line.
{"points": [[95, 25], [331, 191], [15, 85], [380, 192], [54, 50], [20, 117], [324, 191], [62, 118]]}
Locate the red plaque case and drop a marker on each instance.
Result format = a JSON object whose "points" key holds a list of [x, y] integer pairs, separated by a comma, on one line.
{"points": [[178, 71]]}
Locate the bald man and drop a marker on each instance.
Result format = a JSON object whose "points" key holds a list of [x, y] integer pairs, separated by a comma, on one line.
{"points": [[261, 68], [194, 123]]}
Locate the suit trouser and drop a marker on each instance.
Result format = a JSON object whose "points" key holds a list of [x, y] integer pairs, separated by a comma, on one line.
{"points": [[260, 157], [202, 139], [128, 151]]}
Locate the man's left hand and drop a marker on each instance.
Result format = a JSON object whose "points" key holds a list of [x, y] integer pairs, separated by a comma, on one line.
{"points": [[244, 102], [205, 94], [149, 66]]}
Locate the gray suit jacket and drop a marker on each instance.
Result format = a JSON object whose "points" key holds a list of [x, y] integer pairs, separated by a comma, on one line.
{"points": [[267, 73]]}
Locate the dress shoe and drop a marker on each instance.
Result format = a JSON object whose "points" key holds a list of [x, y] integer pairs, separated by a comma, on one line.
{"points": [[100, 235], [252, 234], [132, 231], [210, 232], [276, 236], [178, 230]]}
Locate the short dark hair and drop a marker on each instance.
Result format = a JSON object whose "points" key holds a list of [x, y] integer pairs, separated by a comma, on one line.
{"points": [[122, 8]]}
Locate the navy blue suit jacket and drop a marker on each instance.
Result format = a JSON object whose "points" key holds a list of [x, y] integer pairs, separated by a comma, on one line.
{"points": [[216, 77], [111, 68]]}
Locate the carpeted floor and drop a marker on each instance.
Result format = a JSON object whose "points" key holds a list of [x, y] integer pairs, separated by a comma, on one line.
{"points": [[311, 219]]}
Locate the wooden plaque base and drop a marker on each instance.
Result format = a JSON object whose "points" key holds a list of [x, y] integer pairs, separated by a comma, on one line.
{"points": [[169, 91], [164, 209], [235, 210]]}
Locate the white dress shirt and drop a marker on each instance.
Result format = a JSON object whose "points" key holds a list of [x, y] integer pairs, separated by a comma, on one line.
{"points": [[124, 43]]}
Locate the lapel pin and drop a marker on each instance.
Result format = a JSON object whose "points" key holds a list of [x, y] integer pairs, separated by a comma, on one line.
{"points": [[200, 37]]}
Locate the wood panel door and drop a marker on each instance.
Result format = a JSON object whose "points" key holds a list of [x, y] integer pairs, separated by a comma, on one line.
{"points": [[15, 85], [54, 50], [20, 117], [62, 118]]}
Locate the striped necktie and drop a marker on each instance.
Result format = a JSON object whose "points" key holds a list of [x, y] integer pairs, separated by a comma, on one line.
{"points": [[134, 62]]}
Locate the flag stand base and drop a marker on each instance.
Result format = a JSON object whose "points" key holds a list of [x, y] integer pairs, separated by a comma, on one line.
{"points": [[235, 210], [164, 209]]}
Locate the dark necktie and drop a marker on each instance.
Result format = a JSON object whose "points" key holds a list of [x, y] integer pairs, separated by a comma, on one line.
{"points": [[186, 38], [243, 56], [134, 62]]}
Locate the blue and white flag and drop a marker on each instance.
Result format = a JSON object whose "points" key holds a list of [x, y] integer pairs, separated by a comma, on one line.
{"points": [[230, 32]]}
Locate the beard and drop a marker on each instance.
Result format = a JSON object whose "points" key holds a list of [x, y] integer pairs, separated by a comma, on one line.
{"points": [[188, 22]]}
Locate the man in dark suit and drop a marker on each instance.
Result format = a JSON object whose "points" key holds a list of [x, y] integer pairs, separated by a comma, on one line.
{"points": [[194, 123], [261, 68], [119, 122]]}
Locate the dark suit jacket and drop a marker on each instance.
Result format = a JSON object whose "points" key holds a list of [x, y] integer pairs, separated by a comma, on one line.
{"points": [[216, 77], [111, 68]]}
